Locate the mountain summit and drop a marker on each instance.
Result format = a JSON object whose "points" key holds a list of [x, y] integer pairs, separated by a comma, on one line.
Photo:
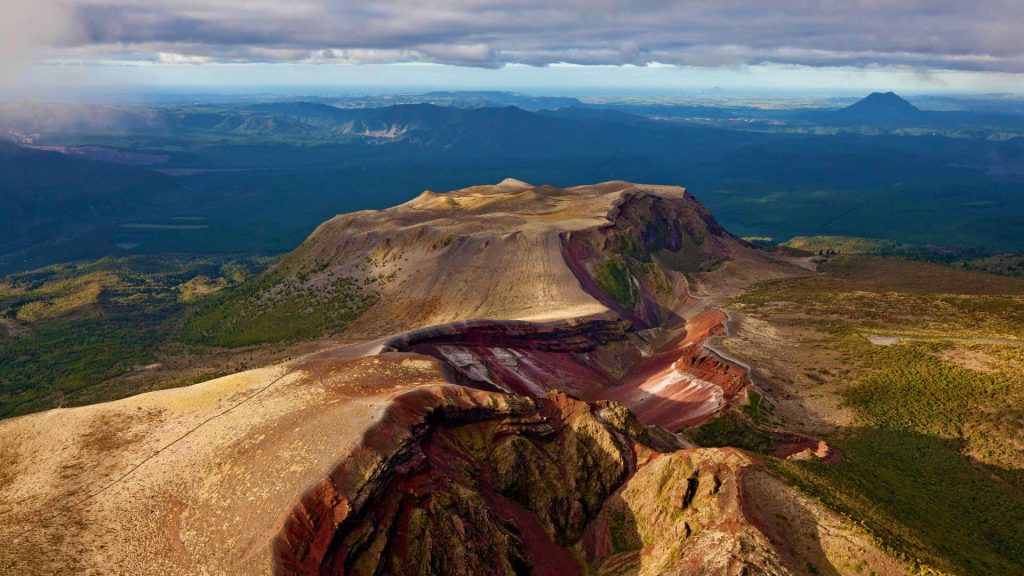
{"points": [[884, 102], [880, 108]]}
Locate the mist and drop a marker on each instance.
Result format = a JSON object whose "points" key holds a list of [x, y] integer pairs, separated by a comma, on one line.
{"points": [[28, 31]]}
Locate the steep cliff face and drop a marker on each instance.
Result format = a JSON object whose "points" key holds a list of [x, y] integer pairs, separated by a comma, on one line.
{"points": [[531, 358], [458, 481], [682, 513], [466, 482], [685, 383], [635, 264]]}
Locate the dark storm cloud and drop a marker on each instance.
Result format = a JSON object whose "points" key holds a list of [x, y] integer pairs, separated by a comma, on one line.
{"points": [[979, 35]]}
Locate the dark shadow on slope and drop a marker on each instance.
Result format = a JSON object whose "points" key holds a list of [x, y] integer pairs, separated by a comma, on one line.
{"points": [[924, 498], [793, 530], [616, 539]]}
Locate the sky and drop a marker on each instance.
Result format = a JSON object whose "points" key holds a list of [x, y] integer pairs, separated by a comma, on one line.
{"points": [[567, 46]]}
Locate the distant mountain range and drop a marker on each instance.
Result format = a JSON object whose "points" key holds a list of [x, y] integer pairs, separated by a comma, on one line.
{"points": [[263, 173], [446, 118]]}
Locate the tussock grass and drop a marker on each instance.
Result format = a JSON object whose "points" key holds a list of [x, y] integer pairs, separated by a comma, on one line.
{"points": [[934, 467]]}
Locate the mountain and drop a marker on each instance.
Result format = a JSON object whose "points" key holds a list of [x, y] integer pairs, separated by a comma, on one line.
{"points": [[464, 427], [257, 177], [456, 99], [387, 261], [881, 109], [571, 128], [495, 130]]}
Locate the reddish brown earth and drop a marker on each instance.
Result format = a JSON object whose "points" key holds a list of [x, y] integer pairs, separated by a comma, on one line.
{"points": [[530, 358], [686, 383], [790, 445], [461, 481]]}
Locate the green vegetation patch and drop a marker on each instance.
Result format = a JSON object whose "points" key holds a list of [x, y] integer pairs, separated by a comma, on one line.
{"points": [[840, 245], [54, 363], [933, 468], [896, 296], [968, 257], [731, 429], [278, 309], [922, 499], [757, 408], [908, 388], [614, 278], [1006, 264], [68, 330]]}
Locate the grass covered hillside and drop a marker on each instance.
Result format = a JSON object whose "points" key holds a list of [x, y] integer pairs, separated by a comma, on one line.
{"points": [[79, 333], [915, 372]]}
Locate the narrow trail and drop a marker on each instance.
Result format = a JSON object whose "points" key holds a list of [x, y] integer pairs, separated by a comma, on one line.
{"points": [[711, 344], [92, 495], [890, 339]]}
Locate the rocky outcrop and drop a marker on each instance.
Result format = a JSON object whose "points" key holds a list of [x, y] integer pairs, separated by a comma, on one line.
{"points": [[531, 358], [457, 481], [461, 481], [682, 513], [794, 446], [686, 383], [634, 265]]}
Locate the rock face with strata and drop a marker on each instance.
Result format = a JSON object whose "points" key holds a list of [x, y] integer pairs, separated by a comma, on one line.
{"points": [[480, 483], [685, 383]]}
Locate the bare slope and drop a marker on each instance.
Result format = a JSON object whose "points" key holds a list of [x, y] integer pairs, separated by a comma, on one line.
{"points": [[185, 481]]}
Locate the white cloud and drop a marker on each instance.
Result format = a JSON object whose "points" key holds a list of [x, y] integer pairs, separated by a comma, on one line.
{"points": [[980, 35], [27, 28], [175, 58]]}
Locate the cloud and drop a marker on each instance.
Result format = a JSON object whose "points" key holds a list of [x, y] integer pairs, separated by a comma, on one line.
{"points": [[925, 34], [175, 58], [26, 29]]}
